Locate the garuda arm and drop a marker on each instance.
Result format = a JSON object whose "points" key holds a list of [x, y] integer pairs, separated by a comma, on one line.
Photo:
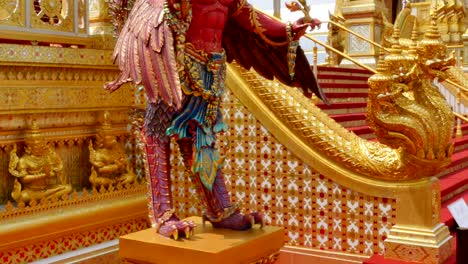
{"points": [[256, 40]]}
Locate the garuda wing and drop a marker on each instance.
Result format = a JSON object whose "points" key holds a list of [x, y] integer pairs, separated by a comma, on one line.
{"points": [[270, 61], [145, 54]]}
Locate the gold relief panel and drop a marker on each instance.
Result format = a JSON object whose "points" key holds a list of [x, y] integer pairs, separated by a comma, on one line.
{"points": [[77, 123], [39, 54], [73, 152], [12, 13], [68, 134], [23, 99]]}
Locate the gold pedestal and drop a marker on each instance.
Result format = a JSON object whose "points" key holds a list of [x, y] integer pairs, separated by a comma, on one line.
{"points": [[418, 235], [207, 246]]}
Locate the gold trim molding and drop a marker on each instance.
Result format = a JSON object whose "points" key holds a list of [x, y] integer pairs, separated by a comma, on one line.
{"points": [[52, 55], [98, 212]]}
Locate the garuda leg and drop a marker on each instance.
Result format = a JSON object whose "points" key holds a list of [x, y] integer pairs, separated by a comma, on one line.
{"points": [[218, 208], [160, 206]]}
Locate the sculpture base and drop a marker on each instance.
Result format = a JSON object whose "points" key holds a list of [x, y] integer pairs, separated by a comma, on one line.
{"points": [[208, 246], [419, 245]]}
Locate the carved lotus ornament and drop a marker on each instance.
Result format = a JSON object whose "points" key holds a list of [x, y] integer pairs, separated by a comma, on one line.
{"points": [[51, 7]]}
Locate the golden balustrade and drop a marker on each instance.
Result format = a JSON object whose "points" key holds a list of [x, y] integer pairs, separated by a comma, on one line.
{"points": [[50, 21], [323, 44], [356, 34]]}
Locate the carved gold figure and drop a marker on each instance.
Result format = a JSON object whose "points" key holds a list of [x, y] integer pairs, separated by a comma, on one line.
{"points": [[409, 115], [39, 172], [336, 38], [109, 164], [405, 109]]}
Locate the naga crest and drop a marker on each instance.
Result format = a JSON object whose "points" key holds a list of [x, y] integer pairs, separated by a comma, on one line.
{"points": [[406, 111]]}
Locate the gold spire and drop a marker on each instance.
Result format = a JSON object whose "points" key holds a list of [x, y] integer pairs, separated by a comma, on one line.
{"points": [[382, 64], [413, 48], [432, 35], [106, 127], [396, 47], [33, 131]]}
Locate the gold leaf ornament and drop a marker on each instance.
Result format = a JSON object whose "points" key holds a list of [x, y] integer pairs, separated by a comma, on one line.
{"points": [[51, 7], [293, 6]]}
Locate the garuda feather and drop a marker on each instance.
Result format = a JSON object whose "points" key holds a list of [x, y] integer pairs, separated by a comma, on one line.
{"points": [[145, 54]]}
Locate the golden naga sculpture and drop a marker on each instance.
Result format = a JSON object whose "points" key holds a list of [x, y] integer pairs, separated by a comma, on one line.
{"points": [[409, 115], [39, 172], [405, 109], [109, 164]]}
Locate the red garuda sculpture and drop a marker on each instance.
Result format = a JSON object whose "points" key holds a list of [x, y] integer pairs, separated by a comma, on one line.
{"points": [[178, 49]]}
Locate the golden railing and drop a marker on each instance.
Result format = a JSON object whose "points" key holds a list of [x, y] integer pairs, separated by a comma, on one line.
{"points": [[326, 46], [51, 21]]}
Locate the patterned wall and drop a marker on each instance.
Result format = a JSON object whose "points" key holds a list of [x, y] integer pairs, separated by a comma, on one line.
{"points": [[73, 241], [315, 211]]}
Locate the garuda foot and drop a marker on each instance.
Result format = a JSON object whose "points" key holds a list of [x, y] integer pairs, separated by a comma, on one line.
{"points": [[237, 221], [175, 228]]}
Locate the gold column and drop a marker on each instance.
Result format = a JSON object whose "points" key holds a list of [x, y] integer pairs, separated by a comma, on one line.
{"points": [[465, 49], [100, 24], [277, 8], [418, 235], [362, 17]]}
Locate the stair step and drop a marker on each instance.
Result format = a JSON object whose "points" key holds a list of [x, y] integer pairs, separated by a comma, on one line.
{"points": [[349, 117], [459, 162], [363, 131], [346, 95], [460, 144], [323, 76], [343, 69], [464, 128], [343, 108], [350, 120], [343, 86], [453, 184]]}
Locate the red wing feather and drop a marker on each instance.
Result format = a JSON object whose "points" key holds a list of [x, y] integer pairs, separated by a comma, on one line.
{"points": [[251, 51], [145, 54]]}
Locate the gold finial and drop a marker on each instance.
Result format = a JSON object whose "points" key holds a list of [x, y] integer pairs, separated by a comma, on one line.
{"points": [[33, 131], [413, 49], [432, 35], [433, 31], [106, 124], [382, 64], [396, 47]]}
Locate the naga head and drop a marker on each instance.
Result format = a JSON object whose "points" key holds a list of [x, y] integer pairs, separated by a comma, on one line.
{"points": [[405, 109]]}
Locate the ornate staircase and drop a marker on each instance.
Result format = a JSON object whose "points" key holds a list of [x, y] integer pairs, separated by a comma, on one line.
{"points": [[347, 90]]}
